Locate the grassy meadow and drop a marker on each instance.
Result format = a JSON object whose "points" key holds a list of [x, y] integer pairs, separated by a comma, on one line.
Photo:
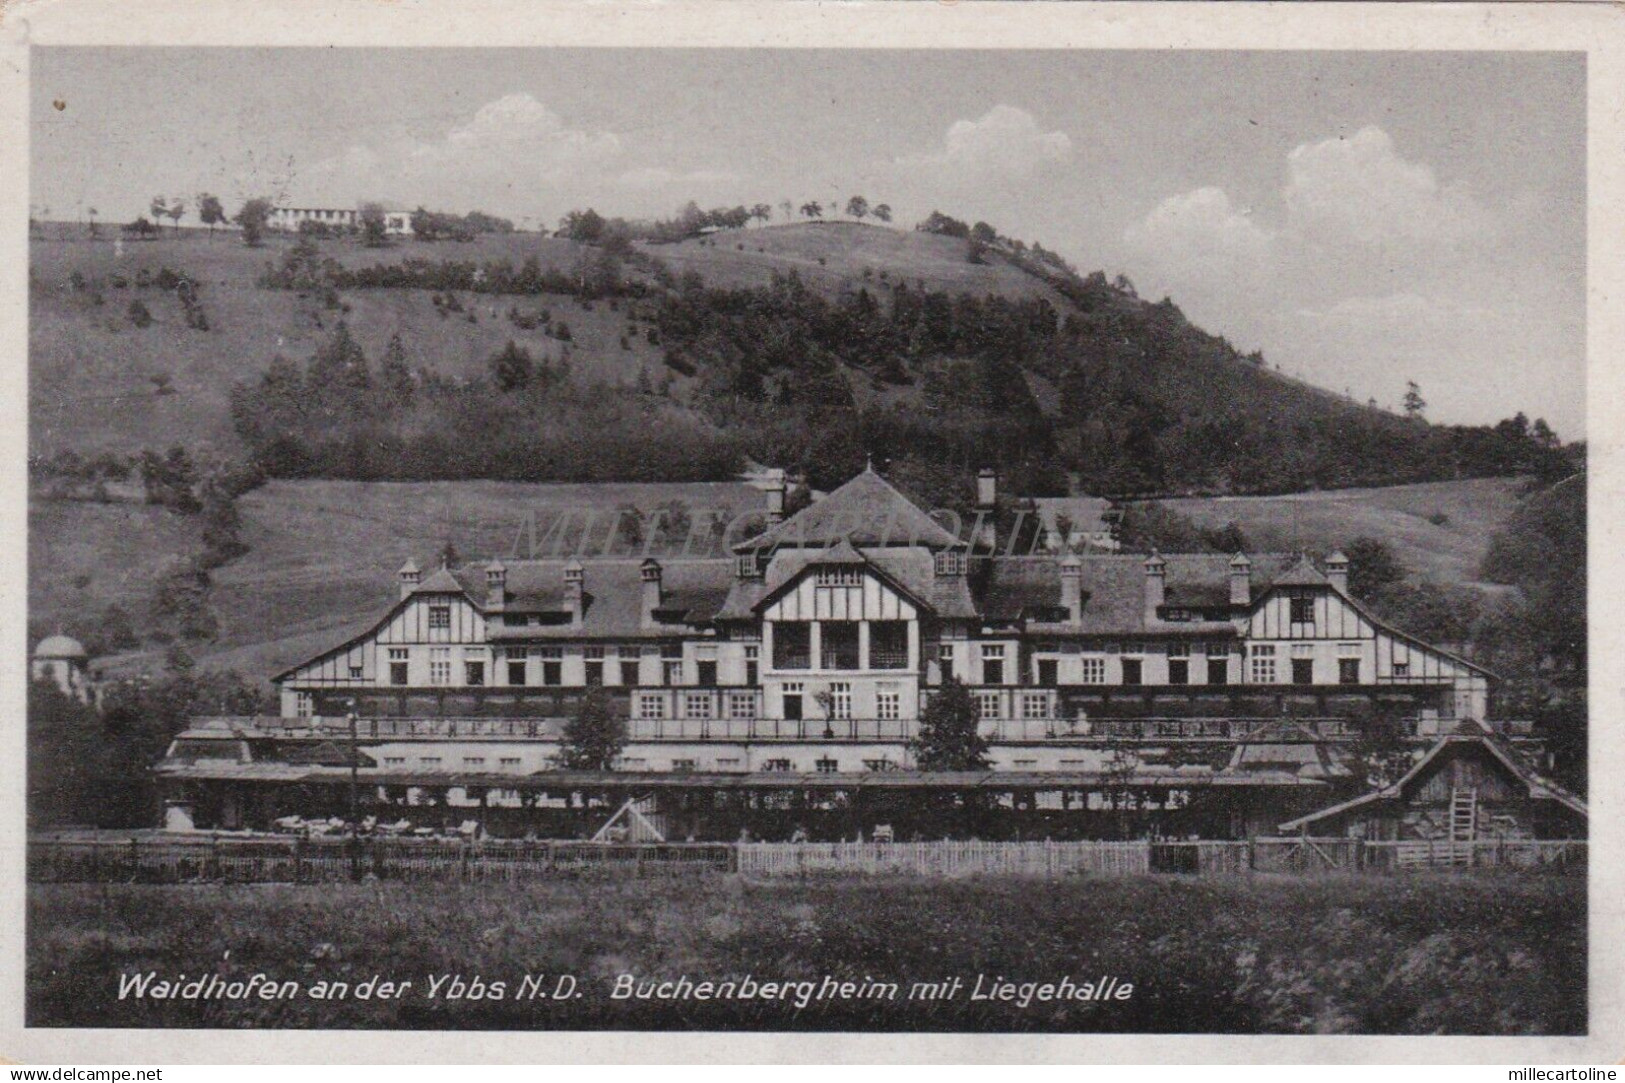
{"points": [[322, 554], [1427, 954], [1439, 530]]}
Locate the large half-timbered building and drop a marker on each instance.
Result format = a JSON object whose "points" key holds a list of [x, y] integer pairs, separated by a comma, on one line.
{"points": [[1212, 695]]}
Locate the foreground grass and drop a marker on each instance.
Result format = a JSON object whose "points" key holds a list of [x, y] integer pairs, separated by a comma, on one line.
{"points": [[1445, 954]]}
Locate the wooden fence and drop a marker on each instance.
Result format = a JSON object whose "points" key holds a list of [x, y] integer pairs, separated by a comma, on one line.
{"points": [[270, 859], [171, 859], [945, 859]]}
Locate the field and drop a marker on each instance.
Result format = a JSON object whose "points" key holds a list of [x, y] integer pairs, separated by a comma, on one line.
{"points": [[1447, 551], [1430, 954]]}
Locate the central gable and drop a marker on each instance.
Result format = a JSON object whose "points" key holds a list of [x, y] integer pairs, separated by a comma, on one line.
{"points": [[838, 591]]}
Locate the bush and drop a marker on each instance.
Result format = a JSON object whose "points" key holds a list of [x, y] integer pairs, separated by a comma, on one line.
{"points": [[138, 314]]}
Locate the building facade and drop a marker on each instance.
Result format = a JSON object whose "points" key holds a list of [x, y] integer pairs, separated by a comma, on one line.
{"points": [[1230, 684], [288, 219]]}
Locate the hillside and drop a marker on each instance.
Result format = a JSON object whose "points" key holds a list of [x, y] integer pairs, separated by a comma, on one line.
{"points": [[1439, 530], [322, 555], [810, 346]]}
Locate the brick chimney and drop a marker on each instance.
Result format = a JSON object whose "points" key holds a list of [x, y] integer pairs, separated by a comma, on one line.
{"points": [[1072, 588], [410, 577], [775, 498], [496, 586], [1337, 571], [1156, 585], [1241, 580], [987, 489], [574, 590], [650, 573]]}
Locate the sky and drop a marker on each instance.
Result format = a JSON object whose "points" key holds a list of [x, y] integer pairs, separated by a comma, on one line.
{"points": [[1363, 218]]}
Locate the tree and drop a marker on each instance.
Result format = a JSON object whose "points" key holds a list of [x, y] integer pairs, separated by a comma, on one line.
{"points": [[882, 211], [513, 367], [812, 209], [374, 232], [1373, 568], [211, 211], [1415, 404], [93, 212], [858, 207], [762, 212], [253, 217], [594, 737], [984, 233], [949, 738], [159, 209], [177, 208], [788, 208]]}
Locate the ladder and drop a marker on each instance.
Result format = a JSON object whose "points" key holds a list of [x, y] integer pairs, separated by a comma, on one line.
{"points": [[1463, 824]]}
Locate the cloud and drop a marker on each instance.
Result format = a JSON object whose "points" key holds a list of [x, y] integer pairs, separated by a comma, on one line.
{"points": [[1359, 190], [515, 155], [1004, 141], [1198, 236]]}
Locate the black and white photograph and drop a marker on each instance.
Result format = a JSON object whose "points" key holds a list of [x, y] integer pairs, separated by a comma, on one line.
{"points": [[805, 538]]}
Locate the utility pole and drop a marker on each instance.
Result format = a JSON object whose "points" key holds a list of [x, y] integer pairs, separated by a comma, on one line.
{"points": [[355, 797]]}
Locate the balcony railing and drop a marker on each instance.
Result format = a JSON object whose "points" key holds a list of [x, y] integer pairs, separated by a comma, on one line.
{"points": [[792, 660], [885, 658], [839, 658]]}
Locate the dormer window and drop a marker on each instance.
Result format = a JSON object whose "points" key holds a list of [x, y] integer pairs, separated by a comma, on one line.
{"points": [[747, 567], [950, 562], [840, 577]]}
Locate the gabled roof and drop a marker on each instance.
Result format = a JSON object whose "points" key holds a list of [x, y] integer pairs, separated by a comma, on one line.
{"points": [[1539, 788], [867, 511], [1303, 573], [787, 567]]}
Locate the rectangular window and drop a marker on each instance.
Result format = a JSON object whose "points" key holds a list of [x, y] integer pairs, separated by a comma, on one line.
{"points": [[1035, 705], [840, 577], [741, 706], [1094, 670], [827, 766], [1303, 671], [1303, 609], [394, 761], [397, 665], [429, 761], [792, 645], [987, 704], [682, 765], [1132, 671], [651, 705], [304, 704], [510, 761], [888, 703], [792, 702], [552, 672], [1218, 670], [697, 704], [1348, 671], [1217, 648], [753, 665], [992, 663], [518, 666], [880, 765], [355, 673], [776, 765], [439, 616], [673, 672], [1263, 671], [1179, 649], [888, 644], [945, 659], [474, 674], [473, 761], [838, 644], [593, 666], [440, 666], [1048, 672], [1179, 671], [840, 700], [707, 672], [950, 562], [1402, 670]]}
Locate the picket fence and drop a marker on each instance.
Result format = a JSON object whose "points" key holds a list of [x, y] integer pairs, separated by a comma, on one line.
{"points": [[944, 859], [272, 859]]}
